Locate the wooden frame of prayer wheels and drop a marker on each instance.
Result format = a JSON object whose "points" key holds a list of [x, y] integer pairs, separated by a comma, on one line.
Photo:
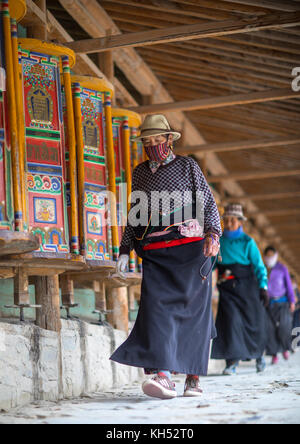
{"points": [[125, 125]]}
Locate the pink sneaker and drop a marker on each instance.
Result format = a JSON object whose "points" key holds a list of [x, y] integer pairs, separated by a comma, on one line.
{"points": [[275, 360], [159, 387], [286, 355]]}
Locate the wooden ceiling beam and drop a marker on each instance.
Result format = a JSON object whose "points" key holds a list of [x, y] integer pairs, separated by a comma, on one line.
{"points": [[286, 5], [185, 57], [187, 32], [172, 8], [239, 146], [227, 6], [217, 61], [254, 175], [217, 102], [264, 197], [230, 76], [213, 78]]}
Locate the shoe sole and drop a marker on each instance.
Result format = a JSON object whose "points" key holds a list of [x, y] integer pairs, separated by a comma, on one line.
{"points": [[191, 394], [155, 390]]}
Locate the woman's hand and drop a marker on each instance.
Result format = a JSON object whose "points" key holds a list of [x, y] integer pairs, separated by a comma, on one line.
{"points": [[292, 308], [211, 245], [122, 265]]}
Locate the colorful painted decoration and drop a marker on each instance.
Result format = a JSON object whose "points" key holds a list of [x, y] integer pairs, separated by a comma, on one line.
{"points": [[6, 199], [44, 132], [127, 156], [94, 236]]}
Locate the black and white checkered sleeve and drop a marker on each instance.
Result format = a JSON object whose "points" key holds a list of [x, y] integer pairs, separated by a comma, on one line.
{"points": [[212, 222], [128, 236]]}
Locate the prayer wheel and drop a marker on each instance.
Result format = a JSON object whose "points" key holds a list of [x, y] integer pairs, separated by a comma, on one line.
{"points": [[45, 173], [17, 9], [89, 108], [125, 125]]}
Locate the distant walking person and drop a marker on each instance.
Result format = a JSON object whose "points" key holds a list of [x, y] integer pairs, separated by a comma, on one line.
{"points": [[241, 319], [282, 306], [296, 320]]}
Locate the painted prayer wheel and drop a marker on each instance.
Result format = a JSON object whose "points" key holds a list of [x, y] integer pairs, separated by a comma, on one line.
{"points": [[125, 125], [17, 9], [45, 174], [12, 240], [89, 108]]}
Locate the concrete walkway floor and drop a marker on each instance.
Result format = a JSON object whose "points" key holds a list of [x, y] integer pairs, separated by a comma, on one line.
{"points": [[272, 397]]}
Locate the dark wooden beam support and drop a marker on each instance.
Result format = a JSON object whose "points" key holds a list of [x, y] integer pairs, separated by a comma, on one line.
{"points": [[187, 32], [238, 146], [253, 175], [219, 102]]}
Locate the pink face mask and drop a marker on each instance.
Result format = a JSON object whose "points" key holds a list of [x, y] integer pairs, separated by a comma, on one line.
{"points": [[158, 153]]}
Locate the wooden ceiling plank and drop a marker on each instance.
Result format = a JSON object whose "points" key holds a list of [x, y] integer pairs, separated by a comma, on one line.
{"points": [[240, 145], [264, 197], [211, 61], [254, 175], [286, 5], [231, 78], [216, 102], [173, 8], [186, 32]]}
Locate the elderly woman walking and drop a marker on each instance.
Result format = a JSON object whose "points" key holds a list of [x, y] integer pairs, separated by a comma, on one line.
{"points": [[282, 306], [177, 240], [243, 283]]}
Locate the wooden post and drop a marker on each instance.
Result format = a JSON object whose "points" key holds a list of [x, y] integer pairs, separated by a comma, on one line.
{"points": [[20, 117], [112, 174], [203, 165], [21, 294], [80, 165], [67, 290], [118, 302], [39, 31], [72, 155], [100, 296], [47, 295], [127, 157], [13, 125]]}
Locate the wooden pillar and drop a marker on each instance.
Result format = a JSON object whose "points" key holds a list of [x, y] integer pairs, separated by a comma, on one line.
{"points": [[67, 290], [39, 30], [111, 174], [47, 295], [203, 166], [80, 165], [20, 116], [21, 293], [100, 296], [13, 125], [106, 64], [118, 302], [74, 231]]}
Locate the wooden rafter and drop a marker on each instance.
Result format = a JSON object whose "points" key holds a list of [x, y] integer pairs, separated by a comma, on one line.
{"points": [[237, 146], [189, 32], [264, 196], [254, 175], [220, 102]]}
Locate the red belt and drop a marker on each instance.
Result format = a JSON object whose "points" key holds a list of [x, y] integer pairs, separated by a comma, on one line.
{"points": [[172, 243]]}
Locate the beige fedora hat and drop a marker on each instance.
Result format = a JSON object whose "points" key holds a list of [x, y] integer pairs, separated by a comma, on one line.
{"points": [[155, 125]]}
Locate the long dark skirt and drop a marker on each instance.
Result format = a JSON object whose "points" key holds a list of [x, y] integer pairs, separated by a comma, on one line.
{"points": [[296, 319], [280, 325], [241, 319], [174, 325]]}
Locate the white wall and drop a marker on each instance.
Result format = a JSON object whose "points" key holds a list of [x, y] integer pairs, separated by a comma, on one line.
{"points": [[36, 364]]}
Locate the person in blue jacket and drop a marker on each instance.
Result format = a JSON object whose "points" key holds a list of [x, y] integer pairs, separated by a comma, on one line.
{"points": [[242, 283]]}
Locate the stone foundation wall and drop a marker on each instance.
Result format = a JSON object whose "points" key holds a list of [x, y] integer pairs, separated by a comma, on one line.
{"points": [[36, 364]]}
